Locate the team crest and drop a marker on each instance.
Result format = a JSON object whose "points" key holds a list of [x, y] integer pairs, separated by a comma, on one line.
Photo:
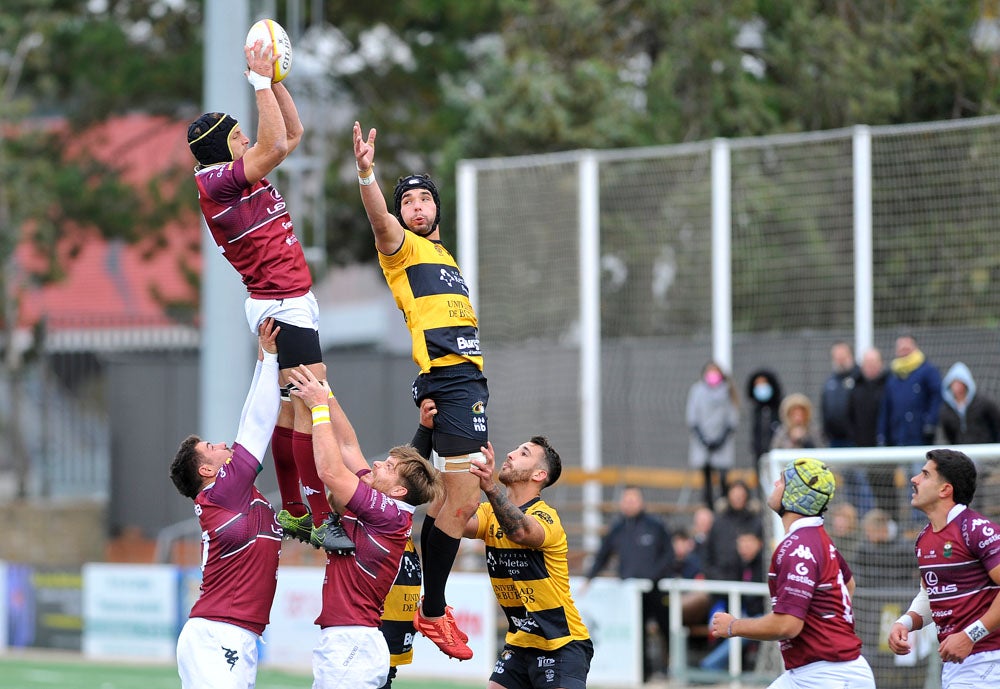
{"points": [[479, 408], [947, 549]]}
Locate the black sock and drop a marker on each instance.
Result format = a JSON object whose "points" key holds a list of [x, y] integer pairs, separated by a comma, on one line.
{"points": [[425, 533], [438, 557]]}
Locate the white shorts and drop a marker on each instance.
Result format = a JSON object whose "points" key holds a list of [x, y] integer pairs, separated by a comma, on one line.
{"points": [[823, 674], [350, 658], [978, 671], [300, 311], [216, 655]]}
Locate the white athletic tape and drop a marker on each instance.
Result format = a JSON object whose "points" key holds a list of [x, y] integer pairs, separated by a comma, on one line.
{"points": [[458, 463]]}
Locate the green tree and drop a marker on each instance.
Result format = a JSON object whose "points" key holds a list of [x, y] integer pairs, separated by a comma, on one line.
{"points": [[67, 59]]}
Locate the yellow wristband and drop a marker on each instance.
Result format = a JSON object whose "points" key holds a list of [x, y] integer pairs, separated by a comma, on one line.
{"points": [[320, 414]]}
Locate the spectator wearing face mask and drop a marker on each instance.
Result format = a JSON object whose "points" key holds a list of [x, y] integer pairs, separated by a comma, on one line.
{"points": [[764, 393], [712, 415]]}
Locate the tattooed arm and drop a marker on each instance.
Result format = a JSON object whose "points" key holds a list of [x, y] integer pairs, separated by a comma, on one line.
{"points": [[519, 527]]}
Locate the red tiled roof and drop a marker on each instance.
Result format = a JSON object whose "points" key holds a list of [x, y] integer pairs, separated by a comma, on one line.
{"points": [[112, 283]]}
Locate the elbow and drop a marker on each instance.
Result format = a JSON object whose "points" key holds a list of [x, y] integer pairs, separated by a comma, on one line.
{"points": [[789, 627]]}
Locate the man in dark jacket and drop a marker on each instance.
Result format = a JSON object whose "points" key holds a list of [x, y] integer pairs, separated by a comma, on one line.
{"points": [[835, 404], [645, 550], [863, 413]]}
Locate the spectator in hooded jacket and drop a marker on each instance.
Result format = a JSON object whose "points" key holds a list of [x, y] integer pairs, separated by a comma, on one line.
{"points": [[967, 416], [764, 393], [797, 428], [912, 401]]}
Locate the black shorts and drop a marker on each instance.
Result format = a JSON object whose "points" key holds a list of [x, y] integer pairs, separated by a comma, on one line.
{"points": [[298, 345], [461, 396], [532, 668]]}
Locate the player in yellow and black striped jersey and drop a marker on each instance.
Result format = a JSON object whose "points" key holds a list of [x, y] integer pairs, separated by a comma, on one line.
{"points": [[429, 289], [547, 643], [398, 609]]}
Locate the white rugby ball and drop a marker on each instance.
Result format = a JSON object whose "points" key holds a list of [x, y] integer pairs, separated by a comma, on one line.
{"points": [[270, 31]]}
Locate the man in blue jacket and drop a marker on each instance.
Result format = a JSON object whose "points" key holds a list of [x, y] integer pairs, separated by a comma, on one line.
{"points": [[912, 399]]}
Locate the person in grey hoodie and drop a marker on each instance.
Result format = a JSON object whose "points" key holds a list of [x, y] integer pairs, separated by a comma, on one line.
{"points": [[967, 416]]}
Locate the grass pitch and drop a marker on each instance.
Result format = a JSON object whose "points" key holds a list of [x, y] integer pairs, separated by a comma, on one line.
{"points": [[63, 671]]}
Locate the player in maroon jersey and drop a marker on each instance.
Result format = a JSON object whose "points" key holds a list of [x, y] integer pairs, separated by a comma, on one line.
{"points": [[377, 506], [241, 538], [250, 223], [811, 587], [958, 554]]}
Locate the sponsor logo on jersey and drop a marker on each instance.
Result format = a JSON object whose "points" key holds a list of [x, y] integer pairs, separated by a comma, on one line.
{"points": [[544, 516]]}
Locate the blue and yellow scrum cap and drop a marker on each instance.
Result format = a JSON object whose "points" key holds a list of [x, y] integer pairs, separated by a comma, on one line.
{"points": [[809, 487]]}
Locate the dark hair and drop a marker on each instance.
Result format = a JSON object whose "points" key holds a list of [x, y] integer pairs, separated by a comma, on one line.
{"points": [[404, 184], [184, 468], [957, 469], [552, 460]]}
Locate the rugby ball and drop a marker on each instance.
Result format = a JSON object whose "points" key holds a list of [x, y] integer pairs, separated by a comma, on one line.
{"points": [[270, 31]]}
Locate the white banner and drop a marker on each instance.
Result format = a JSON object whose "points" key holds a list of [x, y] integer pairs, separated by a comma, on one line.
{"points": [[130, 611], [476, 611], [612, 611], [291, 636]]}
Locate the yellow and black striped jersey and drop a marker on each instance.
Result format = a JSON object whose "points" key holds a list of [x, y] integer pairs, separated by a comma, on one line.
{"points": [[399, 606], [430, 291], [532, 584]]}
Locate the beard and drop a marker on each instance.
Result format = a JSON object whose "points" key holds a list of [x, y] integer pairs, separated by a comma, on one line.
{"points": [[509, 477]]}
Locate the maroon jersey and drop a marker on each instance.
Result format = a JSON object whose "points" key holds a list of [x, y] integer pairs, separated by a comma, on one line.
{"points": [[355, 586], [808, 579], [253, 230], [240, 544], [955, 566]]}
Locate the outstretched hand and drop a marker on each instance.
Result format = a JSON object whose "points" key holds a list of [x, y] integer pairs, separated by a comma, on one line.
{"points": [[260, 59], [484, 469], [308, 387], [364, 151], [267, 338]]}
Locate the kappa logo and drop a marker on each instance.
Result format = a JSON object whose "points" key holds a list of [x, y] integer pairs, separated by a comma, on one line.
{"points": [[232, 657], [804, 552], [310, 491]]}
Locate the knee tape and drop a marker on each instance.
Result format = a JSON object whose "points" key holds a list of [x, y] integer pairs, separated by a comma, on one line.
{"points": [[458, 463]]}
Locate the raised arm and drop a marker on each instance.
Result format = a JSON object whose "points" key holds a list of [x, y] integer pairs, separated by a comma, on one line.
{"points": [[518, 526], [272, 145], [260, 410], [388, 231], [336, 476], [347, 439]]}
